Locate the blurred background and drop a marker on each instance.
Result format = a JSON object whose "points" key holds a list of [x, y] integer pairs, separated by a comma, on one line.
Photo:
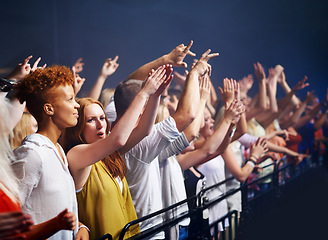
{"points": [[287, 32]]}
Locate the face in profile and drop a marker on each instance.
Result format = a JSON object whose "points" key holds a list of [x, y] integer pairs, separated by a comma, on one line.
{"points": [[65, 108], [95, 123]]}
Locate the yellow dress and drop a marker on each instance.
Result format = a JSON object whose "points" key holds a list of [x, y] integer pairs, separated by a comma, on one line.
{"points": [[102, 207]]}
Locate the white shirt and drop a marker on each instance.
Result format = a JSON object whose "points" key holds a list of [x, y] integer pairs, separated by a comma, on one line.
{"points": [[173, 187], [110, 110], [143, 175], [213, 170], [47, 187]]}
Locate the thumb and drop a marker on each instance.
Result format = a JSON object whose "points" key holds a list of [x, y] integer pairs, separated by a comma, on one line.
{"points": [[182, 64]]}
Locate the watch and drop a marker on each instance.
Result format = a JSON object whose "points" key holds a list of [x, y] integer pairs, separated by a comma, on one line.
{"points": [[7, 84]]}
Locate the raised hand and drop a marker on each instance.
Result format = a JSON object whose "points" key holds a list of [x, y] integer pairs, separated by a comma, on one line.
{"points": [[204, 87], [245, 84], [78, 65], [301, 84], [24, 68], [228, 91], [78, 81], [35, 65], [234, 111], [154, 80], [202, 67], [258, 148], [13, 223], [168, 78], [66, 220], [109, 67], [259, 71], [310, 96], [177, 55]]}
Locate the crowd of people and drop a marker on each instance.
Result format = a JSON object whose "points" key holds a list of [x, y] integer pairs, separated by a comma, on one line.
{"points": [[81, 167]]}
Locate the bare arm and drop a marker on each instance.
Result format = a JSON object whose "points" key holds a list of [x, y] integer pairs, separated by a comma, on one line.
{"points": [[210, 148], [148, 116], [192, 130], [63, 221], [175, 58], [189, 100], [242, 173], [283, 83], [110, 66], [82, 156], [260, 75]]}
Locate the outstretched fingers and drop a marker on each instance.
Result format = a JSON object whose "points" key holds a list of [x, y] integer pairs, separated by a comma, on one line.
{"points": [[187, 49]]}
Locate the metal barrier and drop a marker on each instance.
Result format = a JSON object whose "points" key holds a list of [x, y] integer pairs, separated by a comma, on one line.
{"points": [[250, 206]]}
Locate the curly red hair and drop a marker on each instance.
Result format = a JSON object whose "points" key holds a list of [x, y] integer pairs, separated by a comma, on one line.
{"points": [[36, 86]]}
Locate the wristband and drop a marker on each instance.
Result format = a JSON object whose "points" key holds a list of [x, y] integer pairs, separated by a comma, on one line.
{"points": [[6, 84], [250, 163], [251, 160], [232, 132], [83, 226]]}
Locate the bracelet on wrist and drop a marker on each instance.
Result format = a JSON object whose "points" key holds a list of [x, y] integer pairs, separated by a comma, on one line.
{"points": [[251, 160], [83, 226], [232, 132], [250, 163], [254, 158]]}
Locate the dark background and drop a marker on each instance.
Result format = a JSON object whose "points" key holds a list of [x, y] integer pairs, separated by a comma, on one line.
{"points": [[287, 32]]}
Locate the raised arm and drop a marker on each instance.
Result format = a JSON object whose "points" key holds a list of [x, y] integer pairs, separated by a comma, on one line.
{"points": [[189, 99], [210, 148], [147, 119], [261, 77], [193, 129], [283, 83], [242, 173], [84, 155], [110, 66], [174, 58], [20, 72], [288, 122]]}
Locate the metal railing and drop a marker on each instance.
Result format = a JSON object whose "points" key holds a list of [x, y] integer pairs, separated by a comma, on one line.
{"points": [[237, 220]]}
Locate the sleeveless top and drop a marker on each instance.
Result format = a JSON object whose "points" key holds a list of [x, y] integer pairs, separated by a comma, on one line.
{"points": [[103, 207]]}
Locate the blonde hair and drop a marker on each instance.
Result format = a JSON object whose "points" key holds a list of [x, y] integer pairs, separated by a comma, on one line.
{"points": [[160, 116], [7, 176], [21, 130]]}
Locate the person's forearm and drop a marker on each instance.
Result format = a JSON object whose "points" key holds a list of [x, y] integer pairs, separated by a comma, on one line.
{"points": [[192, 130], [142, 72], [145, 125], [287, 90], [262, 94], [188, 102], [241, 128], [43, 230], [279, 149], [213, 96], [97, 87], [318, 124]]}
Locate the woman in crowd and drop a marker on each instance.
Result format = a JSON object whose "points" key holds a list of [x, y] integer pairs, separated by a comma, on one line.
{"points": [[14, 224], [46, 185], [95, 161]]}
